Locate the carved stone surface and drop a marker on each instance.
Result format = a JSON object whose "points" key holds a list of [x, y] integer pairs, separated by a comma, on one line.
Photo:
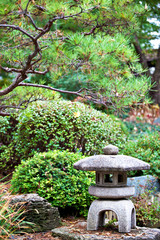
{"points": [[39, 212], [124, 210], [111, 163], [111, 187], [111, 193], [111, 179], [110, 150]]}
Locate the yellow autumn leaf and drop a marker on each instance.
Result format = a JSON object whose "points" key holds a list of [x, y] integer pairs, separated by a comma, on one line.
{"points": [[76, 114], [155, 106]]}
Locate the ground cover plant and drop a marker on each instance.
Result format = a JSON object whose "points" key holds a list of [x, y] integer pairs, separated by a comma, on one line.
{"points": [[52, 176], [63, 125], [147, 209]]}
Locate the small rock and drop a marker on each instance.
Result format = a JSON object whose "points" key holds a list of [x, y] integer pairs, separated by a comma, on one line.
{"points": [[82, 225]]}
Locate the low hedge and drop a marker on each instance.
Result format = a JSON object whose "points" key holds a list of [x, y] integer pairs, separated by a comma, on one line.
{"points": [[61, 125], [52, 176]]}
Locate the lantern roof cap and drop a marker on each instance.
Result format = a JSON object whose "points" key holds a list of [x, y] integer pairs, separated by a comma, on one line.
{"points": [[111, 162]]}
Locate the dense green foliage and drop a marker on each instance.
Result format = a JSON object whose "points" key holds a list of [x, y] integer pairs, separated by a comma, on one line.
{"points": [[21, 97], [146, 148], [5, 130], [53, 177], [60, 125], [84, 42], [110, 73]]}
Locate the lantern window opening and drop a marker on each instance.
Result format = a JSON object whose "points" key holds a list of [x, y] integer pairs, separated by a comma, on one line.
{"points": [[108, 178]]}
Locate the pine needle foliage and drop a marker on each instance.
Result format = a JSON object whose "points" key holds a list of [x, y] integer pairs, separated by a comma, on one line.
{"points": [[84, 41]]}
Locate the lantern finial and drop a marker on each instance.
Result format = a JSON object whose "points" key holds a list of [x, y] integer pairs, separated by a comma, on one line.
{"points": [[110, 150]]}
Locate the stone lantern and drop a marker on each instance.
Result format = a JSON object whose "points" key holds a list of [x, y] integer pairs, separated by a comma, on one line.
{"points": [[111, 187]]}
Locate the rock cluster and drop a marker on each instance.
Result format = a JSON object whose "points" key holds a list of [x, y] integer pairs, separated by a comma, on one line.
{"points": [[38, 212], [137, 234]]}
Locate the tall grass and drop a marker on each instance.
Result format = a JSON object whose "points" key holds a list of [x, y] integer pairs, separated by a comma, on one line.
{"points": [[11, 216]]}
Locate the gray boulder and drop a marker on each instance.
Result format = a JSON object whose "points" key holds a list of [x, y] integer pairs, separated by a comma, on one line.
{"points": [[144, 182], [39, 212]]}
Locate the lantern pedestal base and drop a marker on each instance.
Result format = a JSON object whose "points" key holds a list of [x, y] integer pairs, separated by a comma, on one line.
{"points": [[124, 210]]}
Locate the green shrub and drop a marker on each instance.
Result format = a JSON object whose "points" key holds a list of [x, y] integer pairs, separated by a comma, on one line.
{"points": [[7, 127], [121, 123], [62, 125], [146, 148], [53, 177]]}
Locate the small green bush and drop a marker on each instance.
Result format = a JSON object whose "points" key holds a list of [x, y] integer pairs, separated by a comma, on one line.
{"points": [[146, 148], [60, 125], [53, 177]]}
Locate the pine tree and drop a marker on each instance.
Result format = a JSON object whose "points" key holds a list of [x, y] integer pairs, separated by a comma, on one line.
{"points": [[84, 40]]}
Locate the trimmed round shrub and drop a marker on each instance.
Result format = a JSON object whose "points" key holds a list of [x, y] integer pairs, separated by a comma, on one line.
{"points": [[52, 176], [63, 125], [146, 148]]}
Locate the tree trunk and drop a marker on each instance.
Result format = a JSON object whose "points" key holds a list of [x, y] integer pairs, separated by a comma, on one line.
{"points": [[143, 59], [155, 91]]}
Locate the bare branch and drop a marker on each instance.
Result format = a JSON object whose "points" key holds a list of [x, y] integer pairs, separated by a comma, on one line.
{"points": [[9, 106], [15, 83], [19, 45], [6, 69], [3, 114], [88, 94], [50, 88], [18, 29], [37, 72], [21, 106], [27, 5], [90, 32], [33, 23]]}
